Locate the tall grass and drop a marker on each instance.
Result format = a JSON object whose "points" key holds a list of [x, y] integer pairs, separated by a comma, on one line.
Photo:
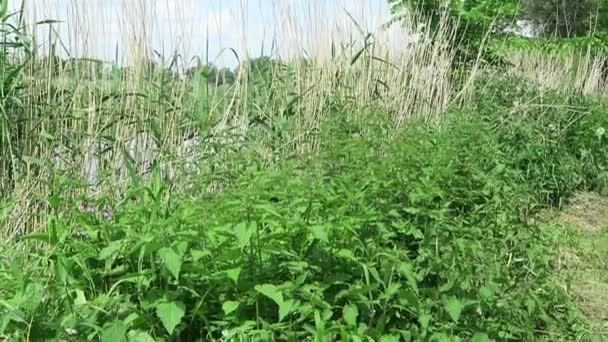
{"points": [[335, 190], [99, 129], [566, 70]]}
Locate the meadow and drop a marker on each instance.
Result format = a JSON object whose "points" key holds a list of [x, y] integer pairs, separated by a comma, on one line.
{"points": [[370, 196]]}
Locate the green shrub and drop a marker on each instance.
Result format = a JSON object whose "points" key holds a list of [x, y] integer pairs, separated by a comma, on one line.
{"points": [[426, 236], [557, 141]]}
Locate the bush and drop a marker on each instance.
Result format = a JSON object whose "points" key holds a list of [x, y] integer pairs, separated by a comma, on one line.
{"points": [[423, 237]]}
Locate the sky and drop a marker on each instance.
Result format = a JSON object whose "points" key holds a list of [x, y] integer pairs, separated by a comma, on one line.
{"points": [[113, 30]]}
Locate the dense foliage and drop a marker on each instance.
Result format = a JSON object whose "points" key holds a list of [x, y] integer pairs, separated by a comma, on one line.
{"points": [[358, 199], [567, 18], [484, 22], [473, 19], [213, 75], [426, 237]]}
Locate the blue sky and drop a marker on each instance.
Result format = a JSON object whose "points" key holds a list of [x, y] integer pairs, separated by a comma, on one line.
{"points": [[97, 28]]}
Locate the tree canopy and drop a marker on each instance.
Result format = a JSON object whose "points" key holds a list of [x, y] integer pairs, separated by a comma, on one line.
{"points": [[213, 74], [476, 17], [495, 19], [561, 18]]}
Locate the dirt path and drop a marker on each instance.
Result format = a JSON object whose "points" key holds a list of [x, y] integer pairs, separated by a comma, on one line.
{"points": [[584, 258]]}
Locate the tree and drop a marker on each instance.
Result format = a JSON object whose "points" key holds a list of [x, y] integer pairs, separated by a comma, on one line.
{"points": [[84, 68], [262, 66], [475, 18], [212, 74], [225, 76], [600, 19], [566, 18], [206, 71], [157, 69]]}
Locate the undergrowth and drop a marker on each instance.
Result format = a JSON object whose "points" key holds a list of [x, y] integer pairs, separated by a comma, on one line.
{"points": [[426, 236]]}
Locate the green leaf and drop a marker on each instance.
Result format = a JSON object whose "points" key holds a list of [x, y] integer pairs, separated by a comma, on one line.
{"points": [[413, 211], [454, 308], [486, 292], [13, 314], [350, 313], [198, 255], [447, 286], [407, 269], [320, 334], [530, 306], [346, 254], [389, 338], [320, 233], [480, 337], [31, 297], [171, 260], [61, 270], [285, 308], [234, 274], [424, 320], [55, 200], [109, 250], [394, 213], [81, 298], [130, 319], [230, 306], [170, 314], [271, 292], [268, 210], [181, 248], [500, 168], [243, 234], [139, 336], [114, 333]]}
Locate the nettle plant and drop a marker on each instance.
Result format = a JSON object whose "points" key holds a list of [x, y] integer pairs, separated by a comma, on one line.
{"points": [[423, 238]]}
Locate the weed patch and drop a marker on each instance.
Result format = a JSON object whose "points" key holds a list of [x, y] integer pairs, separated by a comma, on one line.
{"points": [[426, 236]]}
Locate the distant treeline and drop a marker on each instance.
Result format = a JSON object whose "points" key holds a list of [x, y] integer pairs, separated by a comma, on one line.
{"points": [[89, 68]]}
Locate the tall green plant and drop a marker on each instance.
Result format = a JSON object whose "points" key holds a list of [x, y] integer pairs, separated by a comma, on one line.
{"points": [[11, 113]]}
